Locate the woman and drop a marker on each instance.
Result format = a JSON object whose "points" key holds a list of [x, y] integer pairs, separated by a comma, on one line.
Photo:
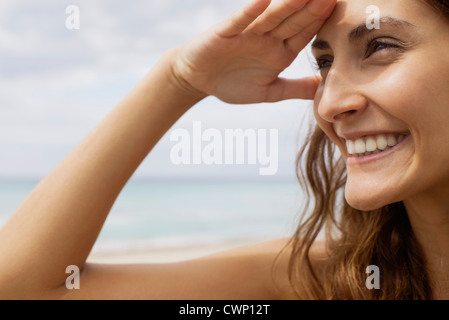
{"points": [[382, 99]]}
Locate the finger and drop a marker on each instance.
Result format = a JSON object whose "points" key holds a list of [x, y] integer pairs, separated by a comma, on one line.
{"points": [[241, 19], [284, 89], [315, 10], [299, 41], [275, 14]]}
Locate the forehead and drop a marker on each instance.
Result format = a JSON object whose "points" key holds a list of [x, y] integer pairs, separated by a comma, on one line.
{"points": [[349, 13]]}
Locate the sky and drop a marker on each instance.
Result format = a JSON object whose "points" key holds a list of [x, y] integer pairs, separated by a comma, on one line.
{"points": [[56, 84]]}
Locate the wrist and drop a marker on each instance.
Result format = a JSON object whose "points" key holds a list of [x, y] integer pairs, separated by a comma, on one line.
{"points": [[176, 78], [164, 90]]}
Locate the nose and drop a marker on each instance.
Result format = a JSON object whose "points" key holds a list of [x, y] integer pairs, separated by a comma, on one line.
{"points": [[340, 98]]}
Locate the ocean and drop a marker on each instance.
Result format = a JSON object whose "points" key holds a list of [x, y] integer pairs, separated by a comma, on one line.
{"points": [[176, 214]]}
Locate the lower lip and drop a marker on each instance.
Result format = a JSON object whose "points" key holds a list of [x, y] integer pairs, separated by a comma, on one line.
{"points": [[352, 160]]}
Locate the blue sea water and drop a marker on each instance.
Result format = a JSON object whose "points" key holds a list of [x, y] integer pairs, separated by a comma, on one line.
{"points": [[160, 214]]}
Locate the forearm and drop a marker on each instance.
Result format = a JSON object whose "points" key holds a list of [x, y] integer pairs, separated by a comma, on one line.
{"points": [[57, 225]]}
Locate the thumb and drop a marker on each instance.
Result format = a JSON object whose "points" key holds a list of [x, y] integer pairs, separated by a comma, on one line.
{"points": [[284, 89]]}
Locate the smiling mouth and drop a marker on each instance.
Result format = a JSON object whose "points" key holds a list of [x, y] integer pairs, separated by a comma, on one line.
{"points": [[373, 144]]}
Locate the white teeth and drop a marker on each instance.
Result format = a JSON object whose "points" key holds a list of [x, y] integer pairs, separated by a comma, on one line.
{"points": [[351, 147], [391, 140], [360, 146], [382, 142], [372, 144]]}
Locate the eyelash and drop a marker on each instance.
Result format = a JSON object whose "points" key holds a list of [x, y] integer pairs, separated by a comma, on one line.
{"points": [[372, 44]]}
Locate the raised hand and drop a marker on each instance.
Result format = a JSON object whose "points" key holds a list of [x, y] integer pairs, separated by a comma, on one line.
{"points": [[240, 59]]}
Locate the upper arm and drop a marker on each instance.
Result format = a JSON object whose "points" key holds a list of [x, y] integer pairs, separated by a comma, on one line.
{"points": [[245, 273]]}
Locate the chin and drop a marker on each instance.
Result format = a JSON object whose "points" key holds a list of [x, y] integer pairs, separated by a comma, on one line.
{"points": [[365, 201], [370, 194]]}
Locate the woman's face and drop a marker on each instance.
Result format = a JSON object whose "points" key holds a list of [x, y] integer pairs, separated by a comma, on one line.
{"points": [[386, 87]]}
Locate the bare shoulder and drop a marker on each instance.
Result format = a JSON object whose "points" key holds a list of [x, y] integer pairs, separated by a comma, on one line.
{"points": [[319, 257], [258, 271], [319, 253]]}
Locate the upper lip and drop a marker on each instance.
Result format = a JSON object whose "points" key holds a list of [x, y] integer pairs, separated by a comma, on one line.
{"points": [[354, 135]]}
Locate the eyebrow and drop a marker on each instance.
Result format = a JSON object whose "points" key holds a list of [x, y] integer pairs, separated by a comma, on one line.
{"points": [[362, 31]]}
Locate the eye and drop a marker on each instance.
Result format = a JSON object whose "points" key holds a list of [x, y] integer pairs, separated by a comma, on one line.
{"points": [[324, 62], [377, 45], [374, 46]]}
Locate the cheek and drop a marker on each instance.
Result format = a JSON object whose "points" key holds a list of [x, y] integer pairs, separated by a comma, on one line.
{"points": [[414, 88], [397, 94], [415, 97]]}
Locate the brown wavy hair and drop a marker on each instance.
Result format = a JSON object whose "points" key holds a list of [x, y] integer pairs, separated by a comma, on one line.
{"points": [[355, 239]]}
